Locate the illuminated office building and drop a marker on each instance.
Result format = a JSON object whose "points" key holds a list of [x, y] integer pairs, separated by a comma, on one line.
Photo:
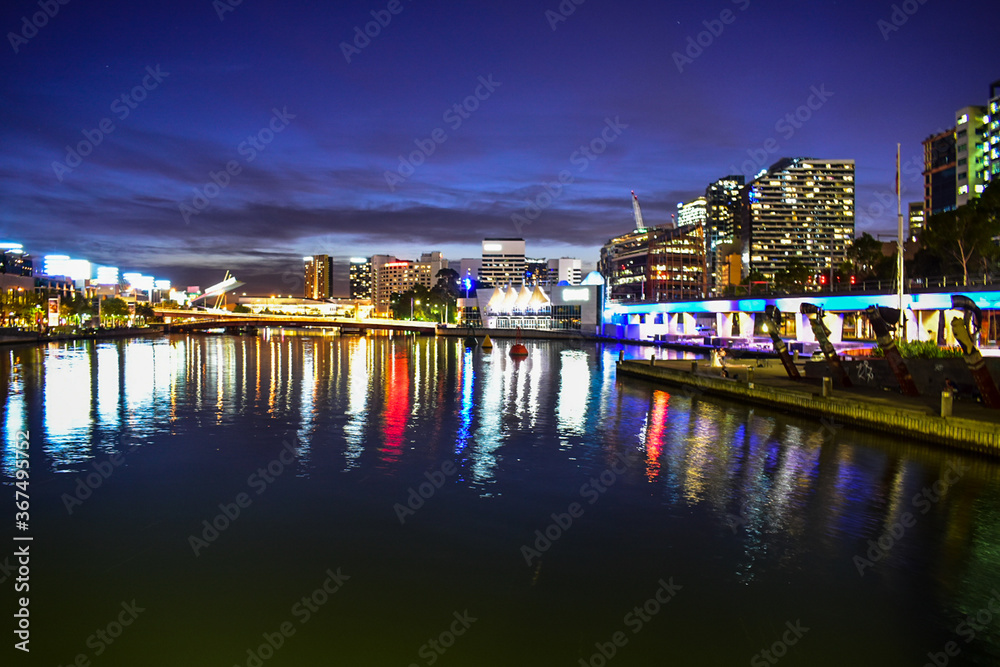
{"points": [[970, 153], [991, 140], [915, 220], [663, 263], [361, 277], [722, 206], [395, 276], [800, 209], [939, 172], [318, 273], [503, 262]]}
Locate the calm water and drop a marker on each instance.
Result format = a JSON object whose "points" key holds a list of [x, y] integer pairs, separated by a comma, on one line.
{"points": [[746, 522]]}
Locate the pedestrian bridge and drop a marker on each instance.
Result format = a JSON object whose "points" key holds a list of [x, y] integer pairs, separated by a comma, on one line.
{"points": [[180, 321]]}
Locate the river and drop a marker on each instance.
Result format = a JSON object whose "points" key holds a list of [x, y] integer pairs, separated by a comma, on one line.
{"points": [[398, 500]]}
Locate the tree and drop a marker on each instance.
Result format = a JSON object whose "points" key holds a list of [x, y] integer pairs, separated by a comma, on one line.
{"points": [[448, 280], [420, 303], [145, 311], [794, 277], [21, 307], [76, 308], [240, 308], [867, 260], [114, 310], [964, 238]]}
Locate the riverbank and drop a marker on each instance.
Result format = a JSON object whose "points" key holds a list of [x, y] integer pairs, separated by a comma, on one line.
{"points": [[971, 427], [32, 338]]}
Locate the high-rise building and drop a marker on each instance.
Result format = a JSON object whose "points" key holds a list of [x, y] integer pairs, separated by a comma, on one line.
{"points": [[915, 220], [939, 172], [991, 141], [14, 261], [469, 267], [503, 262], [434, 262], [395, 276], [361, 277], [692, 213], [536, 271], [970, 153], [663, 263], [318, 272], [800, 209], [569, 269], [722, 205]]}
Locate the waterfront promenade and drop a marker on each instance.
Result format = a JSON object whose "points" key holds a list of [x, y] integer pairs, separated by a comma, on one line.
{"points": [[971, 426]]}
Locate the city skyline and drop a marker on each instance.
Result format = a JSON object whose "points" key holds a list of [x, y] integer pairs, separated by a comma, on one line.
{"points": [[301, 136]]}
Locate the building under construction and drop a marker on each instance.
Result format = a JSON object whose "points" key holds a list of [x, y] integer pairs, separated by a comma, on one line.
{"points": [[662, 263]]}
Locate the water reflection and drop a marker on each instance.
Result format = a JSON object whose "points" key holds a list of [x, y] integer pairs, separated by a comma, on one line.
{"points": [[66, 402], [399, 403]]}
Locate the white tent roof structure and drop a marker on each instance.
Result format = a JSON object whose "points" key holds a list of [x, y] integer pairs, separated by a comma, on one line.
{"points": [[523, 298], [538, 299], [496, 300], [509, 300]]}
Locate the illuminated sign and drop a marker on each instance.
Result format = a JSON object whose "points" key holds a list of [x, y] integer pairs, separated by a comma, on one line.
{"points": [[492, 247], [397, 264], [163, 285], [576, 294], [107, 275], [62, 265], [54, 312], [359, 260], [139, 281]]}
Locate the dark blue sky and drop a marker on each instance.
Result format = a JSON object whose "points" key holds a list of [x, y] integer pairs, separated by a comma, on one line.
{"points": [[320, 185]]}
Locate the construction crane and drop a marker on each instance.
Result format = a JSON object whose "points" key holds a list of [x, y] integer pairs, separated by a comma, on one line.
{"points": [[639, 227]]}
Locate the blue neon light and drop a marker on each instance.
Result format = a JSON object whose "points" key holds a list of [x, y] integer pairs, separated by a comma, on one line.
{"points": [[837, 303]]}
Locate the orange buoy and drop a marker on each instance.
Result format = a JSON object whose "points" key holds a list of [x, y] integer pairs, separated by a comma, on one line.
{"points": [[518, 350]]}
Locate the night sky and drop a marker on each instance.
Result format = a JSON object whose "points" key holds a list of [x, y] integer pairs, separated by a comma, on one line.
{"points": [[324, 132]]}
